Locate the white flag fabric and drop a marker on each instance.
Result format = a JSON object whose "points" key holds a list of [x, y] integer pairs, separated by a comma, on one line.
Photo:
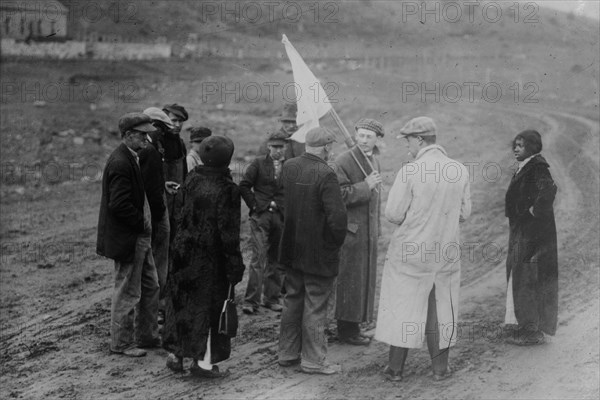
{"points": [[311, 98]]}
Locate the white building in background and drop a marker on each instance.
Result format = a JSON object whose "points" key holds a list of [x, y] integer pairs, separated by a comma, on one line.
{"points": [[31, 19]]}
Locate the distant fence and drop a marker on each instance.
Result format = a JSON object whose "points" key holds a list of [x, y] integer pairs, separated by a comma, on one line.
{"points": [[426, 64], [72, 49]]}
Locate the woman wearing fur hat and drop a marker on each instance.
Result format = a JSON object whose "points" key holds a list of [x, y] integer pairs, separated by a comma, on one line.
{"points": [[206, 261], [531, 264]]}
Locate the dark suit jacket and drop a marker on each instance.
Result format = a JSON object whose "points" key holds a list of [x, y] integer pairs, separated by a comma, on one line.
{"points": [[121, 217], [260, 176], [315, 217]]}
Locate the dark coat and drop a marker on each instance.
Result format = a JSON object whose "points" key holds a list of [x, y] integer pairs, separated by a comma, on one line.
{"points": [[121, 217], [357, 279], [260, 176], [173, 152], [532, 249], [154, 181], [314, 219], [206, 258]]}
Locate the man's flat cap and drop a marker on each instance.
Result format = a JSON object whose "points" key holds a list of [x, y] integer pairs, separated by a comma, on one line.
{"points": [[318, 137], [176, 110], [138, 121], [421, 126]]}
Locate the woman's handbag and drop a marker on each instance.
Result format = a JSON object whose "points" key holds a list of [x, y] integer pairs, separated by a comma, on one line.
{"points": [[228, 322]]}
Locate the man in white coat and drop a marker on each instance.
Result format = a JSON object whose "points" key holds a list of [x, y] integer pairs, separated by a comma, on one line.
{"points": [[421, 276]]}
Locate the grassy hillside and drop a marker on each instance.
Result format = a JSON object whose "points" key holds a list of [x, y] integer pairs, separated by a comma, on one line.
{"points": [[377, 22]]}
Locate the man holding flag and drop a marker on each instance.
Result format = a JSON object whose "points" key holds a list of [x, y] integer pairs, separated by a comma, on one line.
{"points": [[356, 283]]}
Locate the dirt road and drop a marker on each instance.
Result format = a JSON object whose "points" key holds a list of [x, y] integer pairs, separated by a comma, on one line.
{"points": [[56, 298]]}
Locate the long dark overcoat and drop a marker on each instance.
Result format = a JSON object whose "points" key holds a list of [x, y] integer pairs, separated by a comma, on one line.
{"points": [[532, 249], [356, 282], [206, 258], [121, 217], [315, 217]]}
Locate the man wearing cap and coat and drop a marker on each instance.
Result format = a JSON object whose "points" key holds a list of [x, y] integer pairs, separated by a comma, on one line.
{"points": [[124, 230], [288, 128], [151, 165], [262, 190], [356, 282], [174, 158], [421, 276], [314, 230], [197, 135]]}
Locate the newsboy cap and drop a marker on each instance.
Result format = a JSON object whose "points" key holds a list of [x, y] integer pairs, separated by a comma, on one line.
{"points": [[318, 137], [159, 115], [371, 125], [216, 151], [199, 134], [278, 138], [176, 110], [421, 126], [138, 121]]}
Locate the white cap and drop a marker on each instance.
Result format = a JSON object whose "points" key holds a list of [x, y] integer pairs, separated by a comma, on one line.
{"points": [[159, 115]]}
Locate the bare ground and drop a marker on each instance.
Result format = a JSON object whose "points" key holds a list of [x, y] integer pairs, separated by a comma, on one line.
{"points": [[55, 305]]}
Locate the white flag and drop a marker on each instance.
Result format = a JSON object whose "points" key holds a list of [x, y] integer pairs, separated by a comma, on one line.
{"points": [[311, 98]]}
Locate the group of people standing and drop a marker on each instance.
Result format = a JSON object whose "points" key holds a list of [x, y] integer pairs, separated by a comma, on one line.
{"points": [[171, 222]]}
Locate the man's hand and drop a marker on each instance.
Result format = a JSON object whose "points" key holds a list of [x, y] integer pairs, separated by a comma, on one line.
{"points": [[172, 187], [373, 180]]}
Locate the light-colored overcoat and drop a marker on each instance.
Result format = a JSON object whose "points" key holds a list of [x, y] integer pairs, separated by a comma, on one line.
{"points": [[428, 199]]}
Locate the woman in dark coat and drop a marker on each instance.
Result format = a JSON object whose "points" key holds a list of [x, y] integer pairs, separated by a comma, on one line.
{"points": [[531, 265], [206, 261]]}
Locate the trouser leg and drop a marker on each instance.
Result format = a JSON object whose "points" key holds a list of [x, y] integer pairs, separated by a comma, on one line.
{"points": [[126, 294], [290, 331], [347, 329], [274, 273], [397, 358], [146, 316], [260, 245], [314, 343], [172, 219], [160, 250], [331, 305], [439, 357]]}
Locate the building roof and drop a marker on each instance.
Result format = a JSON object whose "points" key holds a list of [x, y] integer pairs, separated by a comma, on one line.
{"points": [[49, 7]]}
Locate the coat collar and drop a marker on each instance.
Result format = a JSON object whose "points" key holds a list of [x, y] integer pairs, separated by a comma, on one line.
{"points": [[356, 151], [127, 152], [429, 148], [538, 159], [313, 157], [269, 160]]}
